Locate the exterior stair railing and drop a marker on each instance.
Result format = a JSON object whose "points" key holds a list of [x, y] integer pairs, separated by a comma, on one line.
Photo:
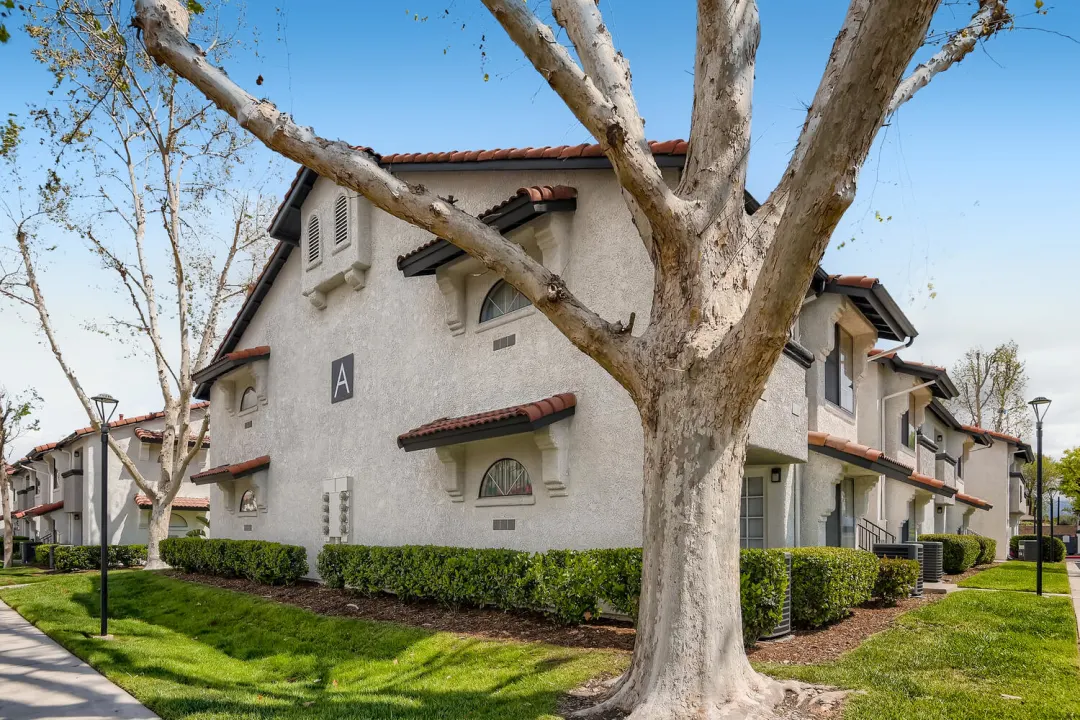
{"points": [[870, 534]]}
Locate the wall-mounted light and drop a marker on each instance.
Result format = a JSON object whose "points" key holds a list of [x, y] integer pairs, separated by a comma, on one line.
{"points": [[940, 509], [774, 475]]}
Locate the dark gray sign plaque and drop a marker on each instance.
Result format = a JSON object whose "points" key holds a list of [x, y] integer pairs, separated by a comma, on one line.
{"points": [[341, 379]]}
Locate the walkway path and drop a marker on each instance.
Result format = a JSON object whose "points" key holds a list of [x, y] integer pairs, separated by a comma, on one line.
{"points": [[1073, 568], [39, 680]]}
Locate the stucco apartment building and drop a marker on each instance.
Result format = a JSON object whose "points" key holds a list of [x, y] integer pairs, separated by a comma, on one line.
{"points": [[58, 486], [379, 386]]}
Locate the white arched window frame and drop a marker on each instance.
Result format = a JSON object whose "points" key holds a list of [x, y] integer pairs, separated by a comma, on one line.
{"points": [[314, 240], [502, 299], [505, 478], [249, 502], [249, 400], [341, 220]]}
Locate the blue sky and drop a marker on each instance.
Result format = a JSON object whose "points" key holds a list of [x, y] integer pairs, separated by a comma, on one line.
{"points": [[976, 173]]}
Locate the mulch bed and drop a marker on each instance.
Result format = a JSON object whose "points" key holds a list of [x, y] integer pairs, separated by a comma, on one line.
{"points": [[470, 622], [806, 647]]}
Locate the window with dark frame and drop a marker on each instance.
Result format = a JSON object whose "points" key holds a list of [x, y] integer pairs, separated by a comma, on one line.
{"points": [[752, 513], [907, 436], [840, 370], [504, 478], [248, 399]]}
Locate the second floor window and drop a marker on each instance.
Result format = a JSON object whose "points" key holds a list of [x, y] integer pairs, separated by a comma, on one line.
{"points": [[907, 431], [840, 371], [503, 298]]}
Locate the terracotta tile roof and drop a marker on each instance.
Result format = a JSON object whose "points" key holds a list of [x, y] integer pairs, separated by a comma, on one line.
{"points": [[821, 439], [156, 436], [1007, 438], [535, 193], [235, 470], [38, 510], [125, 421], [973, 501], [558, 152], [874, 352], [248, 353], [931, 483], [859, 281], [533, 411], [179, 503]]}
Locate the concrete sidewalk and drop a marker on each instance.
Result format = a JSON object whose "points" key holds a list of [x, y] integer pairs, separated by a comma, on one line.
{"points": [[39, 679], [1073, 568]]}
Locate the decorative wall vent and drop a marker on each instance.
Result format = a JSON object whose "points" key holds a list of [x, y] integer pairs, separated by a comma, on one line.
{"points": [[247, 528], [247, 425], [504, 342], [504, 524], [341, 220], [314, 242]]}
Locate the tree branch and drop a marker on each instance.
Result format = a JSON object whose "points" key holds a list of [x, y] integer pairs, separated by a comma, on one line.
{"points": [[356, 170], [871, 52], [728, 34], [992, 16], [600, 97]]}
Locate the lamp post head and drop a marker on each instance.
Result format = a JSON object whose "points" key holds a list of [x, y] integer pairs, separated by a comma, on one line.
{"points": [[106, 406], [1040, 405]]}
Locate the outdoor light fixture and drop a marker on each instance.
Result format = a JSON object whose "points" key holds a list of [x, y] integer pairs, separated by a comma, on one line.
{"points": [[1040, 405], [774, 475], [106, 406]]}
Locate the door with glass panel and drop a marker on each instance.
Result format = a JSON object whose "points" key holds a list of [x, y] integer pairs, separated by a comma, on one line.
{"points": [[752, 513]]}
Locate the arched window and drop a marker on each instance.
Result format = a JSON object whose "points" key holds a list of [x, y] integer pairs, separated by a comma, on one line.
{"points": [[177, 522], [341, 220], [248, 502], [248, 400], [503, 298], [314, 243], [505, 477]]}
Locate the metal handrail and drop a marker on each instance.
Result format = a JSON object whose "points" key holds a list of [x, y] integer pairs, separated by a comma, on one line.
{"points": [[870, 534]]}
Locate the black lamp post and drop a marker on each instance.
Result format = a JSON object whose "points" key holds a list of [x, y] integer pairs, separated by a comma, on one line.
{"points": [[1040, 405], [106, 406]]}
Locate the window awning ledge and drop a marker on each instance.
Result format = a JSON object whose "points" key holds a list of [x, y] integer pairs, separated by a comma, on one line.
{"points": [[511, 420], [224, 473]]}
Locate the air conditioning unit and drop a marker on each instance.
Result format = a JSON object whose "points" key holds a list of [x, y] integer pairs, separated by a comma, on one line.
{"points": [[904, 551], [784, 628], [933, 559]]}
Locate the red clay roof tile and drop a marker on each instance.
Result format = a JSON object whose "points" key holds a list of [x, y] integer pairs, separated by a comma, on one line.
{"points": [[179, 503], [534, 411], [860, 281], [235, 469], [973, 501]]}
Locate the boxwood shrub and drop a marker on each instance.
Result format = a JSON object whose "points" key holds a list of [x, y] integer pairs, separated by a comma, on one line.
{"points": [[570, 586], [88, 557], [987, 549], [959, 552], [41, 553], [895, 580], [826, 582], [1053, 549], [269, 563]]}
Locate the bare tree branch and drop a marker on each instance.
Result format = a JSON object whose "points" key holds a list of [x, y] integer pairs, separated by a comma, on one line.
{"points": [[356, 170], [992, 16]]}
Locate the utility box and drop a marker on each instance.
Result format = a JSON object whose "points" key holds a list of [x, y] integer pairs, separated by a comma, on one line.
{"points": [[1029, 550], [904, 551]]}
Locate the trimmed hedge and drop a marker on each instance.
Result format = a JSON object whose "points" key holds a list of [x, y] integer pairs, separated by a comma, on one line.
{"points": [[826, 582], [987, 549], [88, 557], [895, 580], [959, 552], [264, 562], [41, 554], [568, 585], [1053, 549]]}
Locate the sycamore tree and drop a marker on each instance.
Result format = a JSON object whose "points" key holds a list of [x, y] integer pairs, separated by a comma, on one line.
{"points": [[992, 385], [1068, 470], [16, 419], [727, 285], [150, 180]]}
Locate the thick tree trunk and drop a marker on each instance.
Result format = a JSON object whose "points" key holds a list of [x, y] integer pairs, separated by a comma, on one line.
{"points": [[689, 660], [157, 531], [9, 529]]}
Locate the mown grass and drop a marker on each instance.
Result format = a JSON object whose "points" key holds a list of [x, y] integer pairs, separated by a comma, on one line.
{"points": [[21, 574], [1020, 575], [957, 658], [189, 651]]}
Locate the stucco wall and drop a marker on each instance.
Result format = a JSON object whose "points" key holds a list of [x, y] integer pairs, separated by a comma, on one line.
{"points": [[410, 368], [986, 476]]}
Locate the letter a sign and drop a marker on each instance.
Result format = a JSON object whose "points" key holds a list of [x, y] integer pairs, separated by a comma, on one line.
{"points": [[341, 379]]}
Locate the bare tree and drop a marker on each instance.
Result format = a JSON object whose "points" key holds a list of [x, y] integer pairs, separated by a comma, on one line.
{"points": [[727, 285], [15, 421], [992, 386], [161, 164]]}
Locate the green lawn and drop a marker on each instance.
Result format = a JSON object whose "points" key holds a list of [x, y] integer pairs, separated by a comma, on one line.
{"points": [[954, 659], [22, 574], [1019, 575], [188, 651]]}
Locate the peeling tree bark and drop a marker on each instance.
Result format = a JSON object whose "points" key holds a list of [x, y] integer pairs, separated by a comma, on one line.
{"points": [[727, 287], [9, 529]]}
